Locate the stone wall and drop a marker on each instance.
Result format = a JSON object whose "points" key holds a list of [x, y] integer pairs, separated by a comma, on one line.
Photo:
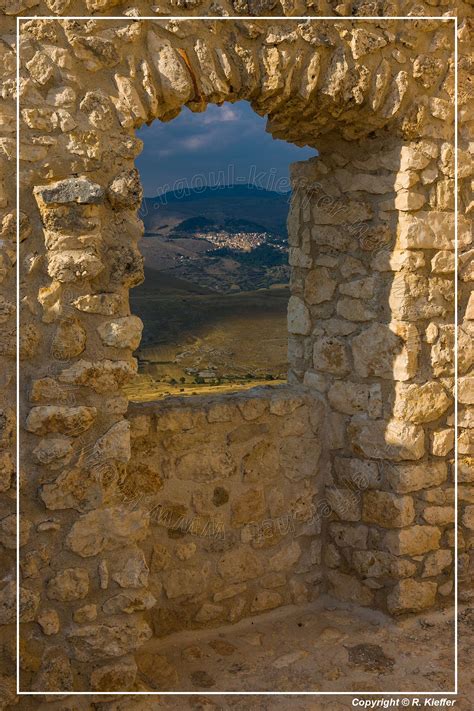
{"points": [[234, 485], [375, 98], [370, 318]]}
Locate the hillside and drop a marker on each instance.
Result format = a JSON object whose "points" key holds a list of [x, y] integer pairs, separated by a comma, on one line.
{"points": [[195, 339], [226, 239], [217, 205], [215, 293]]}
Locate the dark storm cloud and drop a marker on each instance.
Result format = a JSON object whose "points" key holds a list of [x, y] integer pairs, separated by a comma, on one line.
{"points": [[224, 145]]}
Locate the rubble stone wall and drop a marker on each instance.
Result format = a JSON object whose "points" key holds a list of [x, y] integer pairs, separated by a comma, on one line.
{"points": [[371, 326], [234, 485], [375, 97]]}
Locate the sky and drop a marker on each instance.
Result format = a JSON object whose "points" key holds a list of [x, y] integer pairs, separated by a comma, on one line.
{"points": [[222, 146]]}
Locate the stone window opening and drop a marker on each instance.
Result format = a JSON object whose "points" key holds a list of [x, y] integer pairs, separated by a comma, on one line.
{"points": [[215, 247]]}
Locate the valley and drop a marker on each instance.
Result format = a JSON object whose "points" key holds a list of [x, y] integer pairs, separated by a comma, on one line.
{"points": [[214, 297]]}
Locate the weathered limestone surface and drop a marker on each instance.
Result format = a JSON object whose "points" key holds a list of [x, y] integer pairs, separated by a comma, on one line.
{"points": [[370, 323], [378, 343], [242, 537]]}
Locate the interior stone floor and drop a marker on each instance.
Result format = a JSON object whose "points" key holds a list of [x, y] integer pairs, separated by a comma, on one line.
{"points": [[325, 646]]}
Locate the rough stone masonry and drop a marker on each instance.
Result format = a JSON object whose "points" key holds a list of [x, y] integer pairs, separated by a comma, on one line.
{"points": [[365, 424]]}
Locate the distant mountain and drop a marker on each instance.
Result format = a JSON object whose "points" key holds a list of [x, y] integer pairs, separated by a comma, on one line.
{"points": [[235, 208], [195, 224], [203, 224]]}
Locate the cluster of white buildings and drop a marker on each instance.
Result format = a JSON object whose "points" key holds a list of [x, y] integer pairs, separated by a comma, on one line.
{"points": [[244, 241]]}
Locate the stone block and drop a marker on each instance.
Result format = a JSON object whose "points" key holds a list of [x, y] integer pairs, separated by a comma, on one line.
{"points": [[69, 340], [356, 473], [286, 558], [175, 79], [443, 262], [119, 676], [160, 559], [104, 304], [359, 288], [127, 567], [114, 445], [347, 535], [205, 464], [319, 286], [63, 420], [380, 351], [344, 503], [376, 564], [48, 620], [442, 442], [412, 541], [355, 310], [251, 408], [125, 190], [129, 602], [387, 510], [468, 518], [330, 356], [261, 463], [436, 563], [466, 390], [420, 403], [102, 376], [113, 638], [123, 332], [349, 398], [70, 584], [410, 595], [299, 457], [107, 529], [381, 439], [239, 565], [439, 515], [363, 182], [8, 531], [72, 190], [404, 478], [299, 319], [431, 230], [185, 581], [209, 612], [248, 507], [74, 265], [265, 600], [87, 613]]}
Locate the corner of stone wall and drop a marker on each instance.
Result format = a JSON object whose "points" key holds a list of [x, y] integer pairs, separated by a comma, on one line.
{"points": [[370, 322]]}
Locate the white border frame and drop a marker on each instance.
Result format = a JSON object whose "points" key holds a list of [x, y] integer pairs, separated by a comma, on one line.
{"points": [[204, 692]]}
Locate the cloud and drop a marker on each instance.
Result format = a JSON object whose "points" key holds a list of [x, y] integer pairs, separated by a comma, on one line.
{"points": [[220, 114], [194, 143], [208, 142], [164, 152], [180, 143]]}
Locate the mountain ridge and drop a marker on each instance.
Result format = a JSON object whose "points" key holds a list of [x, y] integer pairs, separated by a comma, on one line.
{"points": [[235, 189], [221, 206]]}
